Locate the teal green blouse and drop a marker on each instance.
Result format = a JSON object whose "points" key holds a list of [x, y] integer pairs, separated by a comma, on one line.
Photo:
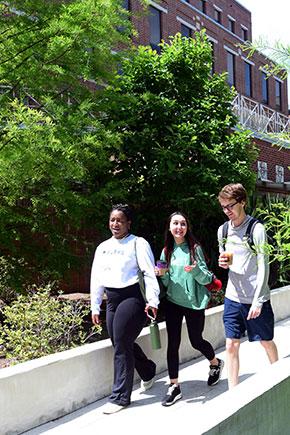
{"points": [[187, 288]]}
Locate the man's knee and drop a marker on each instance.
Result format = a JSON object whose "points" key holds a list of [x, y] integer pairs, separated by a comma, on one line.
{"points": [[267, 344], [232, 346]]}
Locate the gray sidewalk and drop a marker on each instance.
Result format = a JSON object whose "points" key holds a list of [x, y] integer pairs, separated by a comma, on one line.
{"points": [[146, 414]]}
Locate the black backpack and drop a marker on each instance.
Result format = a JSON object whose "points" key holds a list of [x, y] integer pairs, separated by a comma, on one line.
{"points": [[274, 264]]}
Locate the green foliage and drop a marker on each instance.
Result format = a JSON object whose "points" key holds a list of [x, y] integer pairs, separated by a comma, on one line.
{"points": [[10, 281], [216, 298], [275, 213], [176, 125], [55, 168], [38, 324], [278, 54]]}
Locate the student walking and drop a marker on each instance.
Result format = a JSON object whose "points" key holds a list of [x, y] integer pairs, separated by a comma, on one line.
{"points": [[115, 271], [186, 296], [247, 304]]}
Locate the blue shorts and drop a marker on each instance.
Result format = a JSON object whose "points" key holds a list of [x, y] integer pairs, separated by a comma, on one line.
{"points": [[236, 323]]}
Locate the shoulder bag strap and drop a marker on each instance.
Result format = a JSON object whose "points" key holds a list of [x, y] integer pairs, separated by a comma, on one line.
{"points": [[140, 273]]}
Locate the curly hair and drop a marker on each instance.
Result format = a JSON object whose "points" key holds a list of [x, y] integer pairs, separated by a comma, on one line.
{"points": [[124, 208]]}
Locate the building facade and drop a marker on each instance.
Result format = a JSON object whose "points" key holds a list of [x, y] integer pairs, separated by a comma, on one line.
{"points": [[261, 103]]}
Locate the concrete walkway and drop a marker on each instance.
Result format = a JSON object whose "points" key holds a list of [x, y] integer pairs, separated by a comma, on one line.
{"points": [[199, 403]]}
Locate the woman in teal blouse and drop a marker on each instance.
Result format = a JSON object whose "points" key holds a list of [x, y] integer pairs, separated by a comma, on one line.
{"points": [[186, 296]]}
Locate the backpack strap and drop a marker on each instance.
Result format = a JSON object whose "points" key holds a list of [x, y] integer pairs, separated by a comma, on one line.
{"points": [[225, 230], [248, 234], [250, 230]]}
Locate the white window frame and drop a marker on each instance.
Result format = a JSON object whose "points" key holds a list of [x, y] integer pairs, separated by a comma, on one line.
{"points": [[262, 170], [157, 6], [186, 23], [280, 174]]}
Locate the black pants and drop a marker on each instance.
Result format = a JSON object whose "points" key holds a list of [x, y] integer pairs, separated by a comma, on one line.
{"points": [[125, 320], [195, 324]]}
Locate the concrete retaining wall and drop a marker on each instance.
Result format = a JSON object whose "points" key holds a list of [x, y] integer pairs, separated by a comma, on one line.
{"points": [[41, 390], [257, 406]]}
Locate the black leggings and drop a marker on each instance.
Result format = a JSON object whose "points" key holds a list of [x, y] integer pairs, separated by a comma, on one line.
{"points": [[125, 319], [195, 324]]}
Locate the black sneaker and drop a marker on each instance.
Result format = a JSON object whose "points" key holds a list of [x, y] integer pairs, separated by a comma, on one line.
{"points": [[215, 373], [173, 394]]}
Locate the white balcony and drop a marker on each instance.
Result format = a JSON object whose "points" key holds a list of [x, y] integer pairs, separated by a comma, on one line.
{"points": [[260, 118]]}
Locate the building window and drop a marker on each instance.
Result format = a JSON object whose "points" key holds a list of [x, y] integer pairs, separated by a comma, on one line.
{"points": [[217, 15], [231, 68], [231, 25], [248, 79], [244, 34], [202, 6], [278, 94], [186, 31], [265, 91], [262, 171], [155, 28], [279, 174]]}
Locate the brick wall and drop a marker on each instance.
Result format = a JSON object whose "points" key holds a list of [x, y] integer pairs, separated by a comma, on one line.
{"points": [[274, 155]]}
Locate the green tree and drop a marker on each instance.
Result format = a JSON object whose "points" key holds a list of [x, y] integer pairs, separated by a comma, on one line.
{"points": [[179, 142], [54, 158]]}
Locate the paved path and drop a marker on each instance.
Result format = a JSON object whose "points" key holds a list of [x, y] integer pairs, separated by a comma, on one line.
{"points": [[146, 415]]}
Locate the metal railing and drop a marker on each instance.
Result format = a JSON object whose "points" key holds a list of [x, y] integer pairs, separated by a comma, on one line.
{"points": [[260, 118]]}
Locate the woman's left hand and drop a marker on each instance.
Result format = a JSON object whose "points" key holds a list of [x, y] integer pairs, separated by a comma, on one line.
{"points": [[152, 309], [190, 267]]}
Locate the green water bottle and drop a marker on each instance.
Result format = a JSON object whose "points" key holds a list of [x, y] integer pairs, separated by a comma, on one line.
{"points": [[155, 335]]}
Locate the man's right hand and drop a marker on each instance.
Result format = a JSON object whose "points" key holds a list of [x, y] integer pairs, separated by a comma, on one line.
{"points": [[223, 260], [96, 319]]}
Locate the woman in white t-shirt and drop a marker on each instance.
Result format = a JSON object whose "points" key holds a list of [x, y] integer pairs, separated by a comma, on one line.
{"points": [[115, 270]]}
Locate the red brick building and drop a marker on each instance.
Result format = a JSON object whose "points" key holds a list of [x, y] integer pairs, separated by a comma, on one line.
{"points": [[261, 103]]}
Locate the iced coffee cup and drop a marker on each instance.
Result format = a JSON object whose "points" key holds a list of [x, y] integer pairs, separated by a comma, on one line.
{"points": [[229, 257], [161, 267], [225, 259]]}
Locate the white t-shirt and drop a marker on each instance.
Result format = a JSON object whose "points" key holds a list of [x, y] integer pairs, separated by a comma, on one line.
{"points": [[115, 265], [249, 272]]}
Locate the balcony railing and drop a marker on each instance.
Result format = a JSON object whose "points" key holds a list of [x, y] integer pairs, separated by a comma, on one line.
{"points": [[260, 118]]}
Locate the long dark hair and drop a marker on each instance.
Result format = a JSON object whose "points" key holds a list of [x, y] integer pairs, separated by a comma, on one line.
{"points": [[189, 238]]}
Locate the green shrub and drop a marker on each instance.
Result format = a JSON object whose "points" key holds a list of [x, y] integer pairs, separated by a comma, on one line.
{"points": [[38, 324], [10, 278], [274, 211]]}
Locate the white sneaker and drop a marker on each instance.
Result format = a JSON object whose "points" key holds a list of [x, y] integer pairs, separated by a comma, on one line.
{"points": [[146, 385], [111, 408]]}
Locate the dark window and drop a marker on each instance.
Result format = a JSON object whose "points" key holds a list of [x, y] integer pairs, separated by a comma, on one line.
{"points": [[244, 34], [155, 28], [265, 93], [278, 94], [217, 16], [231, 25], [202, 6], [231, 68], [186, 31], [248, 79]]}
